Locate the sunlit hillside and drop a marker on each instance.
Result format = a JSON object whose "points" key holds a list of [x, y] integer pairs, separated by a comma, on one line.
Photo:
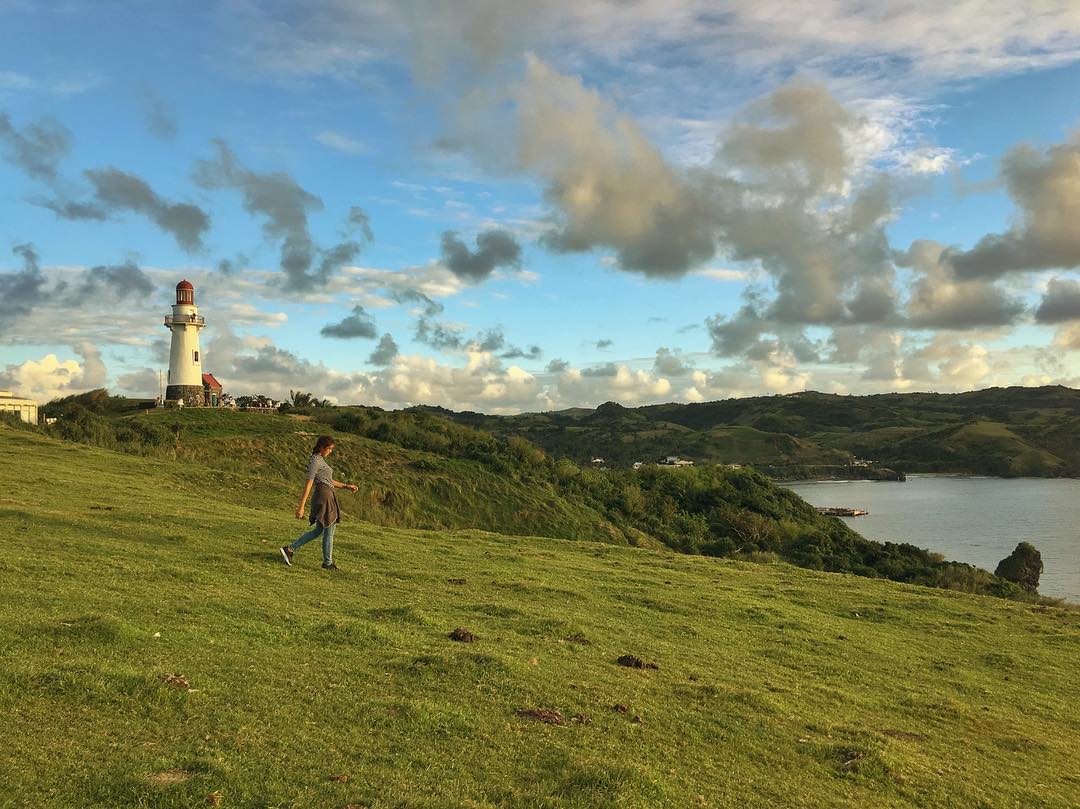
{"points": [[157, 653]]}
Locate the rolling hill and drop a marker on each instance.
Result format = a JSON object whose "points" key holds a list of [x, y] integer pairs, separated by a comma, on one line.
{"points": [[158, 654], [998, 431], [421, 470]]}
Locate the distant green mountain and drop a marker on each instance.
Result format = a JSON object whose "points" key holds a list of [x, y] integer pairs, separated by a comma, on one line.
{"points": [[999, 431]]}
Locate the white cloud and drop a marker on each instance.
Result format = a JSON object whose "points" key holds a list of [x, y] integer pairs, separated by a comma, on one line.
{"points": [[249, 314], [340, 142], [722, 274], [13, 82], [432, 279], [1068, 337], [10, 81], [781, 374], [932, 160], [50, 377]]}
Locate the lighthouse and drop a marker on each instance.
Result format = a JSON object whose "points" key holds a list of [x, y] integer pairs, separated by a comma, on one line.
{"points": [[185, 363]]}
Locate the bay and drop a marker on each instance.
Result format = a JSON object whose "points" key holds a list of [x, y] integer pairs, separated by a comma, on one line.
{"points": [[969, 519]]}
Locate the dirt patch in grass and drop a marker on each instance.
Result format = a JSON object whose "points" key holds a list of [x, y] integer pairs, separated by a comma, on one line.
{"points": [[168, 778], [859, 762], [463, 635], [176, 680], [634, 662], [548, 716], [457, 581]]}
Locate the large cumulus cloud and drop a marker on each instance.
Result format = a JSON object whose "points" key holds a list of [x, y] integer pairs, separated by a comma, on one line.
{"points": [[609, 185], [1044, 184]]}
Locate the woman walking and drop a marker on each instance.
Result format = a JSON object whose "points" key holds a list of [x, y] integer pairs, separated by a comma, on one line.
{"points": [[324, 505]]}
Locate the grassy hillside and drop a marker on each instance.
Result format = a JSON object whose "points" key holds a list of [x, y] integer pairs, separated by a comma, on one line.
{"points": [[156, 653], [1000, 431], [420, 470]]}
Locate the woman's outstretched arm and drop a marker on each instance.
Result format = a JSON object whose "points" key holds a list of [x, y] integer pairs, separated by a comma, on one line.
{"points": [[352, 487]]}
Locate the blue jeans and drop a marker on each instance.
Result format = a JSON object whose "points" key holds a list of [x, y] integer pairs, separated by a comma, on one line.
{"points": [[327, 540]]}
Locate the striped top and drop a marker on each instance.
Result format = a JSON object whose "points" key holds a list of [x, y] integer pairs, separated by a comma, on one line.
{"points": [[319, 470]]}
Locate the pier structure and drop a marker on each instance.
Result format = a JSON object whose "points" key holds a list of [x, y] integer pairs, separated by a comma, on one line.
{"points": [[841, 511]]}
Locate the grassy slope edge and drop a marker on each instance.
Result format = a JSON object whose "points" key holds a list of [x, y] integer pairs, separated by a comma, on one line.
{"points": [[776, 686]]}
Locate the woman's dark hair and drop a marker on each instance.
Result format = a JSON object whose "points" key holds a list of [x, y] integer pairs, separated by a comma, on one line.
{"points": [[322, 443]]}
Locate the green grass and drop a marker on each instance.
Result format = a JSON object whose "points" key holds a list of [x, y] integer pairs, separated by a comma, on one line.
{"points": [[776, 686]]}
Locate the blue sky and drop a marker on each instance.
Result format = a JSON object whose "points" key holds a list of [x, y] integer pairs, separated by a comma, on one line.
{"points": [[509, 206]]}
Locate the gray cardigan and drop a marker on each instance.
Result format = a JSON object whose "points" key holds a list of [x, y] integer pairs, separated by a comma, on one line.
{"points": [[324, 506]]}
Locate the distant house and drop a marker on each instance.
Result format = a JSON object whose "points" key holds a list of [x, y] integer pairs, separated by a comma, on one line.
{"points": [[675, 460], [211, 391], [638, 464], [25, 409], [597, 461]]}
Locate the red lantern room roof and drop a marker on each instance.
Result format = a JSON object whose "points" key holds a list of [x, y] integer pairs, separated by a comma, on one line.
{"points": [[185, 292]]}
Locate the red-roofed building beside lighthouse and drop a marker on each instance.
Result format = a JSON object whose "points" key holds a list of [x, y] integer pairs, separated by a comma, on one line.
{"points": [[211, 391]]}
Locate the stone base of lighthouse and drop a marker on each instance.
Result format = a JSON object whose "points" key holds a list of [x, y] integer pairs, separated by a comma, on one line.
{"points": [[191, 395]]}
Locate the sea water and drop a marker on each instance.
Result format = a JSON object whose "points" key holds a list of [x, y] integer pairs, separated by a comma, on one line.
{"points": [[969, 519]]}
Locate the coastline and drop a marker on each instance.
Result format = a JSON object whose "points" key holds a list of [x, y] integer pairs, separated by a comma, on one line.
{"points": [[976, 519]]}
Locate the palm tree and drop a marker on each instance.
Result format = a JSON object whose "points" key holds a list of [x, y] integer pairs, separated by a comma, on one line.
{"points": [[301, 399]]}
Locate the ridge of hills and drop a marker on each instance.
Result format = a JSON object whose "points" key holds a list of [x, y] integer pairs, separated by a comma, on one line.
{"points": [[158, 654], [1004, 432]]}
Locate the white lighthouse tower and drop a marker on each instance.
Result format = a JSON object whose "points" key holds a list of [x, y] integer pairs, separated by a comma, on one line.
{"points": [[185, 363]]}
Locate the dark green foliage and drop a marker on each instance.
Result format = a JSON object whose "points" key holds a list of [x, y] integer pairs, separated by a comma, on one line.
{"points": [[258, 400], [13, 420], [1023, 566], [96, 401], [76, 422]]}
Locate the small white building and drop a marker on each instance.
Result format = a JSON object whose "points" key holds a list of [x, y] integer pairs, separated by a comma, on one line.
{"points": [[27, 409], [675, 460]]}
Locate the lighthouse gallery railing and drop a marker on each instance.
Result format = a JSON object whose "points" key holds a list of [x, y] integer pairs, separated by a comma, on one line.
{"points": [[189, 320]]}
